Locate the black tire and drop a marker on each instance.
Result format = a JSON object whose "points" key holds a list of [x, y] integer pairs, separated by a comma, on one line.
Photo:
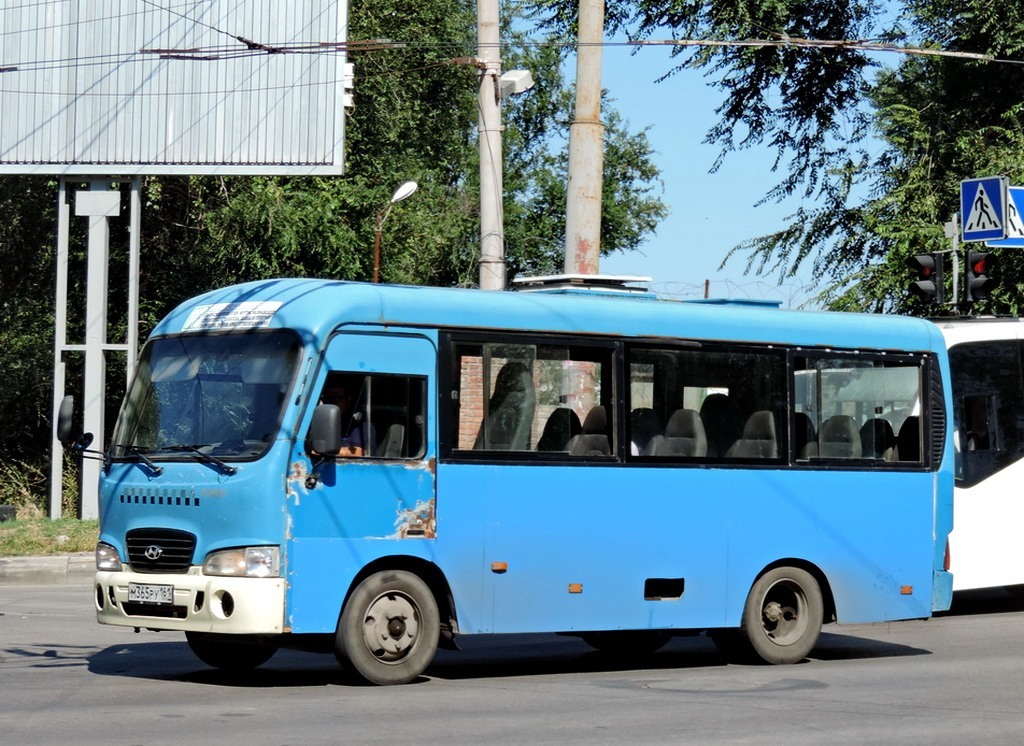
{"points": [[782, 616], [632, 642], [230, 652], [389, 628]]}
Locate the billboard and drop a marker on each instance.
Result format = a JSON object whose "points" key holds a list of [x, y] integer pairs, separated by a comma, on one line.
{"points": [[134, 87]]}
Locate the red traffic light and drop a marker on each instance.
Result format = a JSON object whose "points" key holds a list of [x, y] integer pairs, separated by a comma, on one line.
{"points": [[929, 284], [981, 262], [980, 271], [924, 264]]}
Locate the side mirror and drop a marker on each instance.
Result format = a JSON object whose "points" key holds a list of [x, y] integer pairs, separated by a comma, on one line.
{"points": [[65, 427], [325, 431], [65, 420]]}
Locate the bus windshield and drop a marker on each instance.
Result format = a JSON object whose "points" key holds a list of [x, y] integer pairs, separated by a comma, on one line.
{"points": [[220, 394]]}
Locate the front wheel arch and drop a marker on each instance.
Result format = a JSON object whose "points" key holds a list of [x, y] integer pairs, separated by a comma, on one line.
{"points": [[430, 574]]}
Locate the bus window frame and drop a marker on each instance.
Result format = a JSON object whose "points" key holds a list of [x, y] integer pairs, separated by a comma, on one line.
{"points": [[620, 358], [449, 342], [928, 368], [780, 405]]}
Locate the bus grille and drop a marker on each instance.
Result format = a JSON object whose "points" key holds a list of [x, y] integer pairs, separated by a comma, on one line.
{"points": [[160, 550], [938, 416]]}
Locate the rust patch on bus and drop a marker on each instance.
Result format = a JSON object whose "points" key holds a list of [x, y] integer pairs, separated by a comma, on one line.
{"points": [[420, 521], [297, 480]]}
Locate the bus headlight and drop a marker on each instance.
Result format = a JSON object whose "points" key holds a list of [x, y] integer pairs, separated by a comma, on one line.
{"points": [[107, 558], [244, 562]]}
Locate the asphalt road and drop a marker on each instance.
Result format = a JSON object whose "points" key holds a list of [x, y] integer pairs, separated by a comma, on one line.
{"points": [[956, 678]]}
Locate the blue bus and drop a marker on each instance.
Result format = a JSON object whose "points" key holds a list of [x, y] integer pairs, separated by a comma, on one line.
{"points": [[376, 470]]}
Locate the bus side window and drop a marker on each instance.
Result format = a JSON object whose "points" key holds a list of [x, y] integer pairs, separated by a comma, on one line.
{"points": [[382, 416]]}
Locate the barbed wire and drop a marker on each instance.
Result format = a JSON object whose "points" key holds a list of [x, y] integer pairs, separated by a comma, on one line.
{"points": [[795, 294]]}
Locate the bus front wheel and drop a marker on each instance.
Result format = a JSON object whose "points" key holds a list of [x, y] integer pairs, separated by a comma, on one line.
{"points": [[783, 614], [389, 628]]}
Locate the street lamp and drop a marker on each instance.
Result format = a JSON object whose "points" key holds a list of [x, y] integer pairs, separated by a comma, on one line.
{"points": [[401, 193]]}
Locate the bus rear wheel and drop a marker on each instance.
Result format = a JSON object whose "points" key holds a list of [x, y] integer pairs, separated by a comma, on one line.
{"points": [[389, 628], [230, 652], [782, 616]]}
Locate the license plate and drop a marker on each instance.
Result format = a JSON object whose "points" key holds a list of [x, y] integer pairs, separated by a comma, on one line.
{"points": [[148, 593]]}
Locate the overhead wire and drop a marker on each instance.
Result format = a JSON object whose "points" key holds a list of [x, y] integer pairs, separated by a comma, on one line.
{"points": [[250, 48]]}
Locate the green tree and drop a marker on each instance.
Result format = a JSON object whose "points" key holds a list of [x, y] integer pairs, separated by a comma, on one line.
{"points": [[875, 153]]}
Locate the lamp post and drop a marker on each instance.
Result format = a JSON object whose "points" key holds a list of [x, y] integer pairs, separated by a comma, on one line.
{"points": [[405, 190]]}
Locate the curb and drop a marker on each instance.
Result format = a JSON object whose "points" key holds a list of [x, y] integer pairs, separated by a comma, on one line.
{"points": [[68, 569]]}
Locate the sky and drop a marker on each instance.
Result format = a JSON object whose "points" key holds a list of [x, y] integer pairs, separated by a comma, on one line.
{"points": [[708, 213]]}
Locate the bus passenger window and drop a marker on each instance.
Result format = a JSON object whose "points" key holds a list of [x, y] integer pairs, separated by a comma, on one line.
{"points": [[520, 400], [718, 402], [850, 408]]}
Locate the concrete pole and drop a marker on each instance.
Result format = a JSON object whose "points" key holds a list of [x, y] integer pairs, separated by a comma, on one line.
{"points": [[97, 204], [586, 148], [492, 228], [134, 257], [59, 343]]}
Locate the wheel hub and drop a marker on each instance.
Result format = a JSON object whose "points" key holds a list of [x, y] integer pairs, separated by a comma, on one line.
{"points": [[781, 618], [773, 612], [396, 627], [391, 627]]}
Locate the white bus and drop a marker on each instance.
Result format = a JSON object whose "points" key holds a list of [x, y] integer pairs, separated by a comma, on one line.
{"points": [[987, 368]]}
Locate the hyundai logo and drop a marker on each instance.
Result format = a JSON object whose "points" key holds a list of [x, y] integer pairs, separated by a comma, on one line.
{"points": [[154, 552]]}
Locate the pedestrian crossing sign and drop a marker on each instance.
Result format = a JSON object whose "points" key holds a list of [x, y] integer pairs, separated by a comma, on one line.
{"points": [[983, 208], [1014, 219]]}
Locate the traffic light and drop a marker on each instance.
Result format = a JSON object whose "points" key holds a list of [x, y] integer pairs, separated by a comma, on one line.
{"points": [[980, 280], [929, 285]]}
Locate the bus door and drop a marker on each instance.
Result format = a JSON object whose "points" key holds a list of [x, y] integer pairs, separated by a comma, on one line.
{"points": [[378, 493]]}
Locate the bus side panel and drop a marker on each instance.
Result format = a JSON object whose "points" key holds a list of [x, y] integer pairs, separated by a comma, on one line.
{"points": [[579, 544], [878, 569]]}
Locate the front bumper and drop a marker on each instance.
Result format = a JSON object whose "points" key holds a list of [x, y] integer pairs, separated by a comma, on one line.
{"points": [[201, 603]]}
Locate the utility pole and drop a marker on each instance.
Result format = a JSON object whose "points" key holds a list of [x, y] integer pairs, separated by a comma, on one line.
{"points": [[586, 148], [492, 225]]}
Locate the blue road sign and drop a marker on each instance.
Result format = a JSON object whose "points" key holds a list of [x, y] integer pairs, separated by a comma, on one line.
{"points": [[983, 208], [1014, 219]]}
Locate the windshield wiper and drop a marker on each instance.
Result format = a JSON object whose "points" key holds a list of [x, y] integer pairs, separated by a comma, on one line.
{"points": [[139, 453], [203, 456]]}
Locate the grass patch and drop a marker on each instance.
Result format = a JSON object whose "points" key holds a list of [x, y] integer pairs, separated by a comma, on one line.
{"points": [[37, 537], [24, 487]]}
